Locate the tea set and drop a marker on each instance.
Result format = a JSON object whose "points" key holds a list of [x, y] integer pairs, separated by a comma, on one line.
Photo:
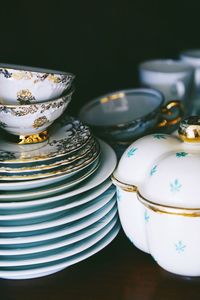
{"points": [[158, 168], [130, 159], [57, 202]]}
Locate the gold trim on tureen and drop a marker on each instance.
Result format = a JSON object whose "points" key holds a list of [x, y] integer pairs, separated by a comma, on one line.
{"points": [[124, 186], [171, 210]]}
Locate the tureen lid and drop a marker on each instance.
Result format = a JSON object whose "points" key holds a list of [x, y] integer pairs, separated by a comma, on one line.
{"points": [[173, 178], [140, 156], [165, 169]]}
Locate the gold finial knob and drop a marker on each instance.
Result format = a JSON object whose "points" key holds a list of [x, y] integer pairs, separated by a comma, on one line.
{"points": [[189, 129]]}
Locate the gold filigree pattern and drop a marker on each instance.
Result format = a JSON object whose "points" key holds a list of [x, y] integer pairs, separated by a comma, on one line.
{"points": [[91, 157], [65, 161], [24, 110], [37, 77], [25, 96], [22, 75], [73, 136], [54, 78], [39, 122]]}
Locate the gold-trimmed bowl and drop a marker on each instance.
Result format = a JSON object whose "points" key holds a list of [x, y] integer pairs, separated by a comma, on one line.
{"points": [[26, 85], [30, 121]]}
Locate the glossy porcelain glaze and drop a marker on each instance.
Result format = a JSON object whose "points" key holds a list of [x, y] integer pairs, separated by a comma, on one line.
{"points": [[158, 197], [192, 57], [25, 85], [131, 171], [174, 241], [172, 77], [126, 115], [131, 214], [30, 119], [67, 136], [91, 248]]}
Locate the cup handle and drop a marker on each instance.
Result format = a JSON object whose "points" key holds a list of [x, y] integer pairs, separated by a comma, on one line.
{"points": [[167, 110]]}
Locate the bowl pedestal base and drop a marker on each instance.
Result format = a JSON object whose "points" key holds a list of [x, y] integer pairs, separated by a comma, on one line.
{"points": [[34, 138]]}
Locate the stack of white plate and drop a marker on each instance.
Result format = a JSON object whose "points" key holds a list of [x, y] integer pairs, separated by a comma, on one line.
{"points": [[57, 203]]}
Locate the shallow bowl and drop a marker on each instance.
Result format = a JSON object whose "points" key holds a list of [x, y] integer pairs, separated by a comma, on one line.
{"points": [[30, 121], [25, 85], [126, 115]]}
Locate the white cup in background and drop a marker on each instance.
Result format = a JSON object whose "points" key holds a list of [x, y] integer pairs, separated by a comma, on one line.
{"points": [[172, 77], [192, 57]]}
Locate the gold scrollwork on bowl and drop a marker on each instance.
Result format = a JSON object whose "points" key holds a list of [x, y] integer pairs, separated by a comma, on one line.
{"points": [[23, 110], [37, 77], [18, 75], [25, 96], [55, 79], [39, 122]]}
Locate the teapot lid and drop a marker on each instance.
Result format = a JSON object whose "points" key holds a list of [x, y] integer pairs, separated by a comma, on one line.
{"points": [[174, 176]]}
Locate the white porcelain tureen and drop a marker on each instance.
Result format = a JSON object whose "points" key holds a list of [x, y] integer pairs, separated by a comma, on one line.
{"points": [[157, 181]]}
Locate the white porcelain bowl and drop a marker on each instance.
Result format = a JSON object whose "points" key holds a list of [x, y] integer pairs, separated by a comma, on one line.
{"points": [[173, 238], [32, 119], [25, 85]]}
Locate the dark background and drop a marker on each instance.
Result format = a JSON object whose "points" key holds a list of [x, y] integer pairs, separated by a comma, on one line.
{"points": [[101, 42]]}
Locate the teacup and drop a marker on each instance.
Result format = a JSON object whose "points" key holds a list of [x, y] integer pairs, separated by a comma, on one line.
{"points": [[172, 77], [26, 85], [123, 116], [30, 121], [192, 57]]}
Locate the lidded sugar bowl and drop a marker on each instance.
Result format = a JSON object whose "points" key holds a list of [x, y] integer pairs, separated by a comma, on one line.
{"points": [[157, 182]]}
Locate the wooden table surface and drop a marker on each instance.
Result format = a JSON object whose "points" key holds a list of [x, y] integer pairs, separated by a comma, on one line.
{"points": [[120, 271]]}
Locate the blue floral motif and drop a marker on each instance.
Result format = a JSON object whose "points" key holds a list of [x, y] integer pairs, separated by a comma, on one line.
{"points": [[160, 136], [5, 73], [180, 247], [153, 170], [175, 186], [131, 152], [146, 216], [181, 154]]}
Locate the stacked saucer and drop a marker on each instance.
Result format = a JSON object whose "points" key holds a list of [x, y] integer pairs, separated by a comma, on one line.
{"points": [[57, 203], [70, 150]]}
